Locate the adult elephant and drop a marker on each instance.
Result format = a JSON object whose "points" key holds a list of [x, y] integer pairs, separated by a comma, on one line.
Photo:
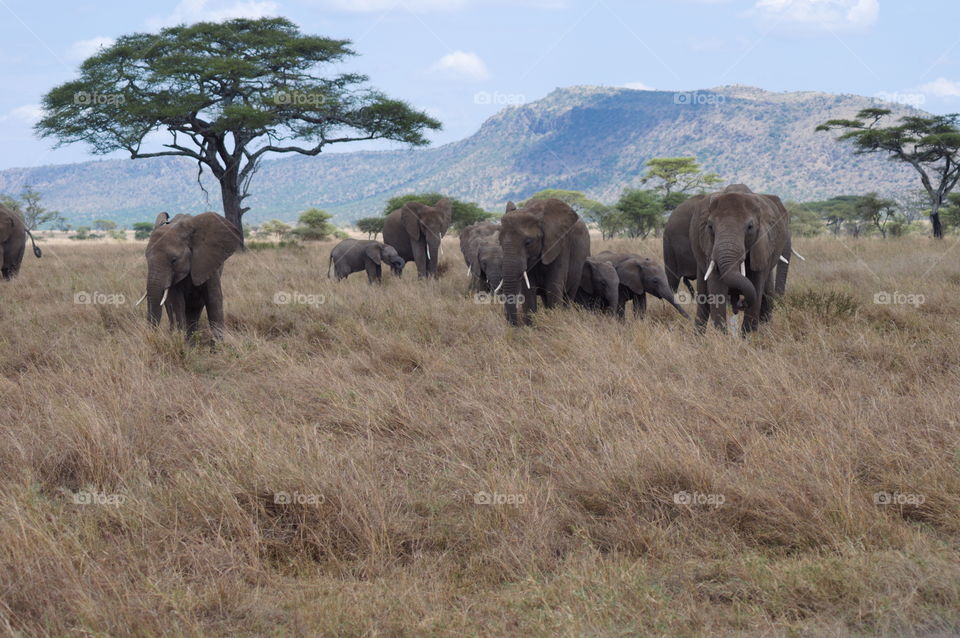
{"points": [[13, 242], [355, 255], [678, 256], [599, 288], [185, 258], [415, 232], [545, 245], [639, 276], [738, 238], [470, 238]]}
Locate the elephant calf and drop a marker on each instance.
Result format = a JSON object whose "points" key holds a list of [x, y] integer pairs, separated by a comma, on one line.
{"points": [[639, 276], [13, 242], [355, 255], [599, 286], [480, 245]]}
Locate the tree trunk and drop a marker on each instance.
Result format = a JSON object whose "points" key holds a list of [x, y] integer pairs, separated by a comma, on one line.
{"points": [[935, 221], [232, 201]]}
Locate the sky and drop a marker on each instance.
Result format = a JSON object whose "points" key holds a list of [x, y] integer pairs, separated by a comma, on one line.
{"points": [[464, 60]]}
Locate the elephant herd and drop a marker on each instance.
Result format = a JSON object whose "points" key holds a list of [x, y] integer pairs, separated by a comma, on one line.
{"points": [[735, 244]]}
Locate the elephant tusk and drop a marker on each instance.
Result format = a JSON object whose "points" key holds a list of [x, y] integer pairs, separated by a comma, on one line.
{"points": [[499, 286], [164, 300], [469, 270], [428, 253], [802, 258], [784, 259], [709, 270], [141, 300], [743, 269], [526, 279]]}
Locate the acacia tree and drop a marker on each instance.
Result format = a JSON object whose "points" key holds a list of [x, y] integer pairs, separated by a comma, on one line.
{"points": [[227, 94], [931, 145], [677, 175]]}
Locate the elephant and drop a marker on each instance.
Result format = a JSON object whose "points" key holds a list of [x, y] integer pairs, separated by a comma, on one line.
{"points": [[13, 242], [545, 245], [185, 257], [738, 238], [488, 263], [355, 255], [678, 257], [415, 232], [599, 286], [640, 276], [470, 239]]}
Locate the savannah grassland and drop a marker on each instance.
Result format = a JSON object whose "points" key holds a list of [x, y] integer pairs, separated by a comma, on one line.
{"points": [[382, 412]]}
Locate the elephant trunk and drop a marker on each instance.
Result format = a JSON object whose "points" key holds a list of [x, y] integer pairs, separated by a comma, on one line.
{"points": [[514, 267], [662, 291], [729, 256], [612, 296], [433, 253], [157, 285]]}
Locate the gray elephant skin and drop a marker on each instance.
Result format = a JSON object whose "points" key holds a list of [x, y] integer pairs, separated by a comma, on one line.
{"points": [[185, 257], [480, 246], [545, 245], [13, 242], [639, 276], [356, 255], [599, 286], [738, 239], [415, 232]]}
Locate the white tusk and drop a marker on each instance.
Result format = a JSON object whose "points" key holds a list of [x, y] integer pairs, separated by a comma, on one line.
{"points": [[164, 300], [802, 258], [469, 270], [428, 253], [141, 300], [784, 259], [499, 286], [526, 279], [709, 270], [743, 268]]}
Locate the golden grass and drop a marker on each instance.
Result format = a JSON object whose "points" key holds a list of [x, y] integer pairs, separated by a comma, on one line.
{"points": [[383, 412]]}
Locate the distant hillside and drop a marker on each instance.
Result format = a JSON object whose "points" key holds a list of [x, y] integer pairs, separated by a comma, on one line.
{"points": [[594, 139]]}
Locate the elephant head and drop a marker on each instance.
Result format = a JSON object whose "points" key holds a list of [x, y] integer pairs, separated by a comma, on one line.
{"points": [[427, 225], [185, 246], [600, 279], [737, 232], [531, 237], [388, 254], [489, 260], [645, 275]]}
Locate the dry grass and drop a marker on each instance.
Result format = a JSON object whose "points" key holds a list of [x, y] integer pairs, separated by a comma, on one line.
{"points": [[384, 411]]}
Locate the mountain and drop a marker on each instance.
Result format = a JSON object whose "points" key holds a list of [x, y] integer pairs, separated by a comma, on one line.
{"points": [[594, 139]]}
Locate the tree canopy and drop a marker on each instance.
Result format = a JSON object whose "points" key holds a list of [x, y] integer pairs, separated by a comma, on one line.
{"points": [[31, 210], [225, 95], [463, 213], [672, 175]]}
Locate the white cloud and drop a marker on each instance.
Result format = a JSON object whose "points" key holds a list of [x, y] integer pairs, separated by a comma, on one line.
{"points": [[942, 87], [463, 65], [818, 15], [83, 49], [429, 6], [637, 86], [28, 113], [190, 11]]}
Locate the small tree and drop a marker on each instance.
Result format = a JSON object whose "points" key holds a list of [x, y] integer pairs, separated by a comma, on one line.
{"points": [[804, 222], [641, 211], [931, 145], [877, 212], [34, 215], [314, 225], [83, 233], [276, 227], [672, 175], [104, 224], [142, 231], [463, 214], [372, 226]]}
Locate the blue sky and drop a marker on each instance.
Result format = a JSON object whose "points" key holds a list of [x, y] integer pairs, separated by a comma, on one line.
{"points": [[463, 60]]}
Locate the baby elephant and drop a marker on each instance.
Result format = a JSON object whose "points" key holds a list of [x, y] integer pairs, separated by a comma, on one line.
{"points": [[354, 255], [639, 277], [599, 286]]}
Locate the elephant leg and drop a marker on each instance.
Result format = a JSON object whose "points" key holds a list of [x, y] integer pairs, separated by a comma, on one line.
{"points": [[639, 306], [420, 258], [766, 306], [717, 301], [622, 303], [176, 310], [529, 304], [193, 303], [373, 274], [214, 304], [703, 310], [751, 317]]}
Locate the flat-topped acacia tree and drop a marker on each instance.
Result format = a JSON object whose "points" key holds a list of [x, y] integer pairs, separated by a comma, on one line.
{"points": [[227, 94]]}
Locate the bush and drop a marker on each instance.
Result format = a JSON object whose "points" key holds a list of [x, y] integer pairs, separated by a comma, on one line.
{"points": [[142, 231], [372, 226], [83, 233], [314, 225]]}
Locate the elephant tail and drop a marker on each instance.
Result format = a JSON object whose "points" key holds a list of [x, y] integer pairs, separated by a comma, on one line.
{"points": [[36, 249], [330, 265]]}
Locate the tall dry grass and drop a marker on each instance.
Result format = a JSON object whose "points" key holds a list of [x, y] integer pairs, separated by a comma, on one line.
{"points": [[382, 412]]}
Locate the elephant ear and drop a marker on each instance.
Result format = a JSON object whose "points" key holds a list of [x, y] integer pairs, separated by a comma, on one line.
{"points": [[631, 276], [586, 279], [557, 221], [511, 207], [212, 240], [445, 206], [373, 252], [162, 219], [773, 216], [411, 219]]}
